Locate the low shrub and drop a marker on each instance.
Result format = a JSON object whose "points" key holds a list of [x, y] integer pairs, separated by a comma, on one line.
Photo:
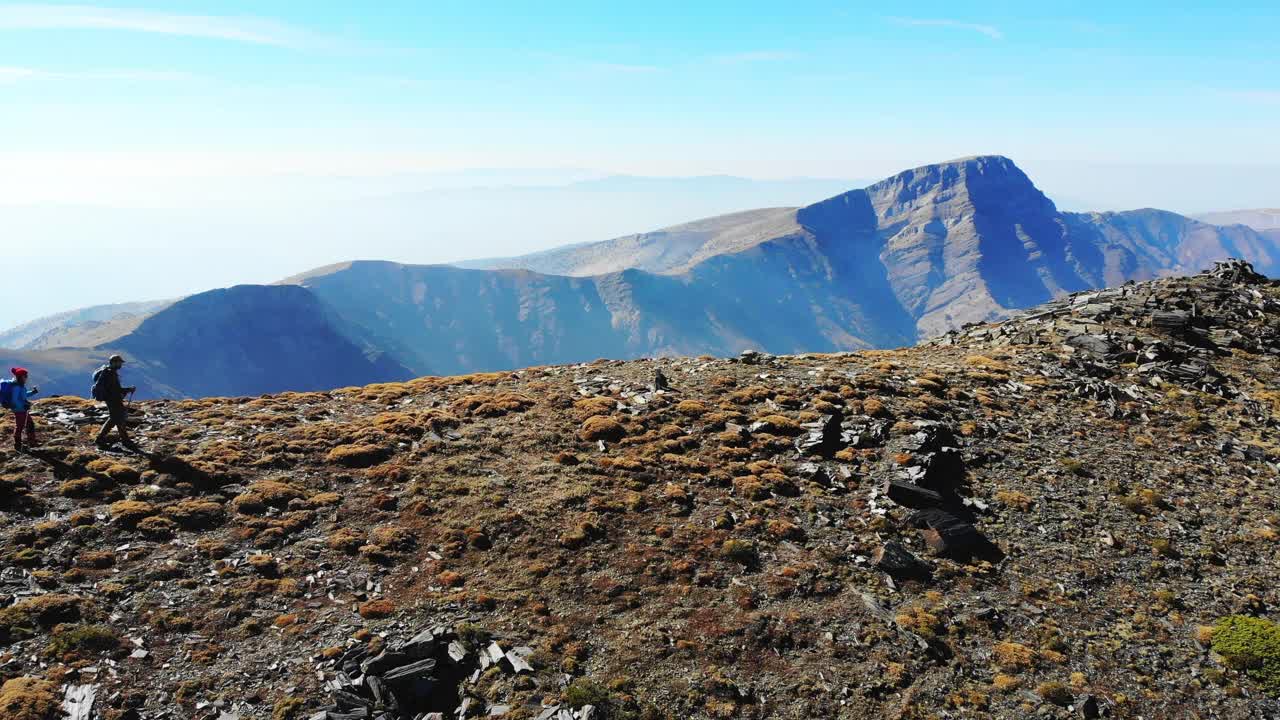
{"points": [[742, 552], [28, 698], [601, 428], [1252, 646], [21, 620], [358, 455], [375, 609], [74, 641], [128, 513]]}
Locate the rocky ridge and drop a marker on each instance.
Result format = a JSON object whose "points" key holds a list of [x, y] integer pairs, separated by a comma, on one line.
{"points": [[1071, 513]]}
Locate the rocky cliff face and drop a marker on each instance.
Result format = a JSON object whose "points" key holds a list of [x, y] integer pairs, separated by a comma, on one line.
{"points": [[956, 242]]}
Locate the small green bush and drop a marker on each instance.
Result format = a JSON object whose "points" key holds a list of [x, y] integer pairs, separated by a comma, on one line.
{"points": [[739, 551], [82, 640], [473, 635], [1054, 692], [1075, 467], [1252, 646], [586, 692]]}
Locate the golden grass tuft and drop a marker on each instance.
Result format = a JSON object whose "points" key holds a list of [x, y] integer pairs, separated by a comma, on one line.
{"points": [[493, 405], [1012, 656], [778, 425], [20, 620], [874, 408], [593, 406], [28, 698], [265, 494], [128, 513], [358, 455], [193, 514], [376, 609], [601, 428]]}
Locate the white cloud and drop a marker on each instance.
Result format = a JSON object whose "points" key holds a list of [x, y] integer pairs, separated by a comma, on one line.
{"points": [[11, 74], [989, 30], [88, 17]]}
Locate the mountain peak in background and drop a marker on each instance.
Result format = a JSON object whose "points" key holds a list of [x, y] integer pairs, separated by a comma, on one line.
{"points": [[903, 259]]}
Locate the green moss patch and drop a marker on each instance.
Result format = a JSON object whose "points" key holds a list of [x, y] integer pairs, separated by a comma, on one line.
{"points": [[1252, 646]]}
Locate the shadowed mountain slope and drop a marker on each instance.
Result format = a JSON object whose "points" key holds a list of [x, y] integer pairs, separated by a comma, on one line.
{"points": [[243, 340], [251, 339]]}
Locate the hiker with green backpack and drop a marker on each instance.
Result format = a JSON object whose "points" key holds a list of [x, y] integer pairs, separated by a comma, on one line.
{"points": [[107, 388], [15, 397]]}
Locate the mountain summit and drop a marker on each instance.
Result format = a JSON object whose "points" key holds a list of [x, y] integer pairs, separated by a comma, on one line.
{"points": [[912, 256]]}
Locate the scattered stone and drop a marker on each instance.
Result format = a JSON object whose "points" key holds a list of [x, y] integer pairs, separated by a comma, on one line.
{"points": [[947, 534], [822, 438], [898, 562], [77, 701], [457, 651], [517, 659], [911, 495], [407, 681], [1089, 708]]}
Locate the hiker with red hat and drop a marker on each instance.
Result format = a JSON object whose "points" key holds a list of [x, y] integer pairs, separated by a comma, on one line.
{"points": [[15, 397]]}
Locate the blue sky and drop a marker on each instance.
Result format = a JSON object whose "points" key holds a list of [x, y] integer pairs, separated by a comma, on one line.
{"points": [[205, 105], [751, 88]]}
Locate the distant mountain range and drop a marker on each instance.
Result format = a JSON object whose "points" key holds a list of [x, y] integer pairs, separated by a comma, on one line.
{"points": [[906, 258], [1259, 219]]}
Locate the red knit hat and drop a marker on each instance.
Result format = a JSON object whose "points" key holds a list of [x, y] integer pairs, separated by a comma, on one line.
{"points": [[18, 371]]}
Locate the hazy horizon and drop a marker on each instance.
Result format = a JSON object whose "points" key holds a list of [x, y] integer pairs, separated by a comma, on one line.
{"points": [[158, 149], [446, 222]]}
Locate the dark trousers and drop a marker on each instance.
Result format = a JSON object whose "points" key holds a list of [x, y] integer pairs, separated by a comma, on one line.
{"points": [[22, 421], [117, 417]]}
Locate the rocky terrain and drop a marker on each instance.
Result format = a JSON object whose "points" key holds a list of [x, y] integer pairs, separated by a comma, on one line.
{"points": [[900, 261], [1073, 513]]}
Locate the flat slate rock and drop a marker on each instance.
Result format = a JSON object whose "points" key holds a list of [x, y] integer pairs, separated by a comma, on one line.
{"points": [[913, 496], [896, 560], [947, 534]]}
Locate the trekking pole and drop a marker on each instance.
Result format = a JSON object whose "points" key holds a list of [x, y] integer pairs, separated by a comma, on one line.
{"points": [[129, 403]]}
